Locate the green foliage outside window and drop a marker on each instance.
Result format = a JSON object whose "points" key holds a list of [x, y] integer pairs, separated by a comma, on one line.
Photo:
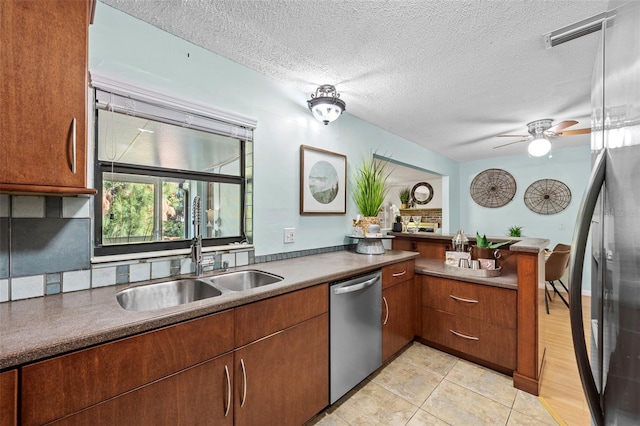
{"points": [[128, 212]]}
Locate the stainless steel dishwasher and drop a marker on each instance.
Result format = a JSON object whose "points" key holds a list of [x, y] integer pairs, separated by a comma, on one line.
{"points": [[355, 331]]}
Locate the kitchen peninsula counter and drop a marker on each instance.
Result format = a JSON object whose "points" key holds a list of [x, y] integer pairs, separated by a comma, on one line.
{"points": [[42, 327], [435, 268], [522, 270]]}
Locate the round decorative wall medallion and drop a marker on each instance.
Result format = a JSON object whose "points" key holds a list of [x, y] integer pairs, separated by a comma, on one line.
{"points": [[547, 196], [493, 188], [422, 193]]}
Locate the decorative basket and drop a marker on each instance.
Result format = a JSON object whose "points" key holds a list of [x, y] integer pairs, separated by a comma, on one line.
{"points": [[366, 221]]}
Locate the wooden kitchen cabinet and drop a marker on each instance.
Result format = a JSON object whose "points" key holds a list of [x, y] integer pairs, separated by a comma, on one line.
{"points": [[199, 395], [282, 371], [475, 321], [398, 307], [283, 379], [64, 385], [43, 96], [9, 398], [398, 318]]}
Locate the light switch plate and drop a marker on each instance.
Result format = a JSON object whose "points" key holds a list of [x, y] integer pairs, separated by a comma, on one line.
{"points": [[289, 235]]}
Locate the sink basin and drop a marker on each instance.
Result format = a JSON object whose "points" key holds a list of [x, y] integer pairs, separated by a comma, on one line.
{"points": [[163, 295], [244, 280]]}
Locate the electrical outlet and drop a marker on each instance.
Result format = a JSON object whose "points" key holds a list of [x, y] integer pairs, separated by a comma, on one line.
{"points": [[562, 227], [289, 235]]}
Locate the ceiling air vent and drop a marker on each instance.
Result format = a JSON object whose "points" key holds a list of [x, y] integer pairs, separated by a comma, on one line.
{"points": [[573, 31]]}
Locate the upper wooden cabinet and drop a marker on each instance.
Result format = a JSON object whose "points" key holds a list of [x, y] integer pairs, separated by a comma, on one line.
{"points": [[43, 96]]}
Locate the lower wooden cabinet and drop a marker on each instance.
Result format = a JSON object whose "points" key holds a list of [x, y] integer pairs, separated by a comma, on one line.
{"points": [[398, 317], [200, 395], [9, 398], [283, 379], [471, 319], [67, 384]]}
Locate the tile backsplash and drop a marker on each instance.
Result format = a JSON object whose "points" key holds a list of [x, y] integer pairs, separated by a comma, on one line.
{"points": [[45, 249]]}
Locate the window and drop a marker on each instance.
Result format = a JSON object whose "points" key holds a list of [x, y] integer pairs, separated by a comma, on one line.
{"points": [[152, 161]]}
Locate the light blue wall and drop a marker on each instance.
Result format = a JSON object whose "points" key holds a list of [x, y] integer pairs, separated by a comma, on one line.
{"points": [[570, 166], [122, 46]]}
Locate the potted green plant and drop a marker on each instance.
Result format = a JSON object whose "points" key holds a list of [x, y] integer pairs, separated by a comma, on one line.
{"points": [[515, 231], [404, 194], [370, 190]]}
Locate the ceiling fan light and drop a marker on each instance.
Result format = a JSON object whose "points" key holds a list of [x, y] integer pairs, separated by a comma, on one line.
{"points": [[326, 104], [539, 146]]}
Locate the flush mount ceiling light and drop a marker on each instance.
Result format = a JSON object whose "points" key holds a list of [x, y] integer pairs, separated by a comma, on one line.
{"points": [[326, 104]]}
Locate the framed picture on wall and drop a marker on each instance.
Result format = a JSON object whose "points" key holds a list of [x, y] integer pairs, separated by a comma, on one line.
{"points": [[323, 182]]}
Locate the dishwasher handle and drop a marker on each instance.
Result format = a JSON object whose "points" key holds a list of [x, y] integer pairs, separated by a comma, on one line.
{"points": [[356, 287]]}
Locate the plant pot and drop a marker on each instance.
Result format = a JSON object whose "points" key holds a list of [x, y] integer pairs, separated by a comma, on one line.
{"points": [[397, 227], [485, 253], [403, 206], [366, 221]]}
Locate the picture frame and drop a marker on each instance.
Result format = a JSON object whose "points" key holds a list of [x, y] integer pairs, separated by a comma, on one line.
{"points": [[323, 182]]}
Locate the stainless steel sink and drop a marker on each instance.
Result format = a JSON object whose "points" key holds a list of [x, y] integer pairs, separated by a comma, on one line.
{"points": [[163, 295], [244, 280]]}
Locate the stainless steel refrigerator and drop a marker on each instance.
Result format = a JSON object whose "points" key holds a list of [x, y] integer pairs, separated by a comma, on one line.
{"points": [[610, 209]]}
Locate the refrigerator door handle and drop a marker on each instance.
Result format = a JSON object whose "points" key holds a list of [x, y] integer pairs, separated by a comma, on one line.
{"points": [[580, 235]]}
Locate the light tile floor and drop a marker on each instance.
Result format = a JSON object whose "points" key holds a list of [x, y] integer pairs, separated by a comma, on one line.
{"points": [[424, 386]]}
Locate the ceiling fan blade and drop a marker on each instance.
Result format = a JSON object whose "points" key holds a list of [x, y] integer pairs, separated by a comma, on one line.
{"points": [[561, 125], [512, 136], [574, 132], [510, 143]]}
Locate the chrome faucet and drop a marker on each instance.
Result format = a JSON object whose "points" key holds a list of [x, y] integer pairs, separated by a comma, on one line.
{"points": [[196, 242]]}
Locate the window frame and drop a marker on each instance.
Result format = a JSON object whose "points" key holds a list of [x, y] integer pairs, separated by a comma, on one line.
{"points": [[156, 246]]}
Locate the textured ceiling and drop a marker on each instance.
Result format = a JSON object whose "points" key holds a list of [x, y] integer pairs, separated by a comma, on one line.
{"points": [[446, 74]]}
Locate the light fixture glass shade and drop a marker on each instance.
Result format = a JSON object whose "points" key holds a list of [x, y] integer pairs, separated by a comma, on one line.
{"points": [[539, 146], [326, 104]]}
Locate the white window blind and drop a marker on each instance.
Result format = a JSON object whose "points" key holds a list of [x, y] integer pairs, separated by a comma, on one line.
{"points": [[123, 97]]}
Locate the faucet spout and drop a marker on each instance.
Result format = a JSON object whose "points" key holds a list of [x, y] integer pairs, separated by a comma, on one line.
{"points": [[196, 242]]}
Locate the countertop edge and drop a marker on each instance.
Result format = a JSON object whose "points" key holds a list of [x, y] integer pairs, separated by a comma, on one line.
{"points": [[140, 322]]}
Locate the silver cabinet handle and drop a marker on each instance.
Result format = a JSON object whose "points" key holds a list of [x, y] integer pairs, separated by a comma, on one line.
{"points": [[576, 261], [73, 146], [386, 309], [464, 336], [399, 274], [356, 287], [244, 383], [462, 299], [226, 374]]}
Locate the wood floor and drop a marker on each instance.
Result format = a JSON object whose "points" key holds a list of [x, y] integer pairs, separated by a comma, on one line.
{"points": [[561, 388]]}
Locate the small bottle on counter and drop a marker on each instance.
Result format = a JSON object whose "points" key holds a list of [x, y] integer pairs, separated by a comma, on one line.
{"points": [[460, 241]]}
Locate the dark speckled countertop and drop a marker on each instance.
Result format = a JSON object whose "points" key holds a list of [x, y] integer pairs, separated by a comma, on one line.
{"points": [[38, 328], [435, 268]]}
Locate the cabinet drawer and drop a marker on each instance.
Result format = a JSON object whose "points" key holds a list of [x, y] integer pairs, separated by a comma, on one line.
{"points": [[68, 383], [259, 319], [398, 272], [492, 305], [470, 336]]}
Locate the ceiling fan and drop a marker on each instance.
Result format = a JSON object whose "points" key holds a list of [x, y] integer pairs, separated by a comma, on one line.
{"points": [[540, 132]]}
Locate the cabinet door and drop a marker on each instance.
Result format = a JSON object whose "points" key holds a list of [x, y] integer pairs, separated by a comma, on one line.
{"points": [[9, 398], [66, 384], [283, 379], [199, 395], [43, 94], [398, 318]]}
